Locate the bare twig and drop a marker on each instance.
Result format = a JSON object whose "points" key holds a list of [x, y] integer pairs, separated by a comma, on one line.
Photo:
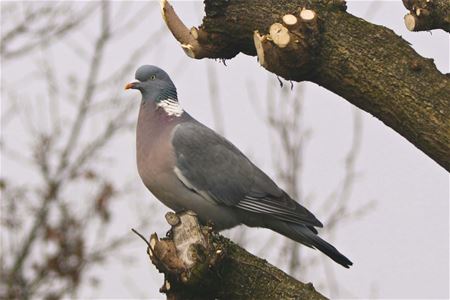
{"points": [[41, 214], [47, 33], [89, 87], [141, 236]]}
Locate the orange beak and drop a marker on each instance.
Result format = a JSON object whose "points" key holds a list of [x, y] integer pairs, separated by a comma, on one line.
{"points": [[130, 85]]}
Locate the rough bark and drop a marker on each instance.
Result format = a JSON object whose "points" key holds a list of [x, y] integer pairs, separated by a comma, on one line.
{"points": [[201, 264], [427, 15], [366, 64]]}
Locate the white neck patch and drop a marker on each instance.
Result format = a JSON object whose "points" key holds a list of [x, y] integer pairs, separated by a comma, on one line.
{"points": [[171, 107]]}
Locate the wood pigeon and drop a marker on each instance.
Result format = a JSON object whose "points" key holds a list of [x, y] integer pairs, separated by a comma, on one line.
{"points": [[188, 166]]}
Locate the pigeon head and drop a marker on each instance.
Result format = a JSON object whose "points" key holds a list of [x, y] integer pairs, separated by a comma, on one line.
{"points": [[154, 84]]}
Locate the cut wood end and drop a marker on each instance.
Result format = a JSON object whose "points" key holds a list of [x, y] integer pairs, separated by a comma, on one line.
{"points": [[277, 28], [167, 285], [410, 22], [172, 218], [189, 50], [258, 41], [194, 32], [418, 11], [279, 35], [185, 235], [307, 15], [153, 241], [289, 20]]}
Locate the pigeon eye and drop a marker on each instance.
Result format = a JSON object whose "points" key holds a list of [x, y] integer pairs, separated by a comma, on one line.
{"points": [[153, 77]]}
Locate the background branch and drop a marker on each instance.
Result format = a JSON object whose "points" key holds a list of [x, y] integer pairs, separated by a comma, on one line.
{"points": [[56, 226]]}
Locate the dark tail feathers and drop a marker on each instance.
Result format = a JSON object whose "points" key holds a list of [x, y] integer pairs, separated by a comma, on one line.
{"points": [[303, 235], [331, 252]]}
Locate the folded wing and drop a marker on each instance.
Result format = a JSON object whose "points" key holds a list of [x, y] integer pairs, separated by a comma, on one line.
{"points": [[214, 168]]}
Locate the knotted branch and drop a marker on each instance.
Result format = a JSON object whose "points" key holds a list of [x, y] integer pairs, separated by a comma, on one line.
{"points": [[427, 15], [195, 42], [200, 264], [366, 64]]}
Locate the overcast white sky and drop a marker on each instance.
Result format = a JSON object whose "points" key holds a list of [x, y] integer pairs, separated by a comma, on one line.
{"points": [[399, 250]]}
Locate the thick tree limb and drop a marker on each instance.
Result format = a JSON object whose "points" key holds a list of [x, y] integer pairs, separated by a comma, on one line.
{"points": [[200, 264], [368, 65], [427, 15], [193, 41]]}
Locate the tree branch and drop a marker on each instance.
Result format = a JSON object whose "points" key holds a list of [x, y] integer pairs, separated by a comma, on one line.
{"points": [[24, 251], [427, 15], [90, 88], [40, 26], [200, 264], [367, 64]]}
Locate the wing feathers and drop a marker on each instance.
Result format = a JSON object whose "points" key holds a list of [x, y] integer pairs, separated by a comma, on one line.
{"points": [[213, 167], [284, 209]]}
